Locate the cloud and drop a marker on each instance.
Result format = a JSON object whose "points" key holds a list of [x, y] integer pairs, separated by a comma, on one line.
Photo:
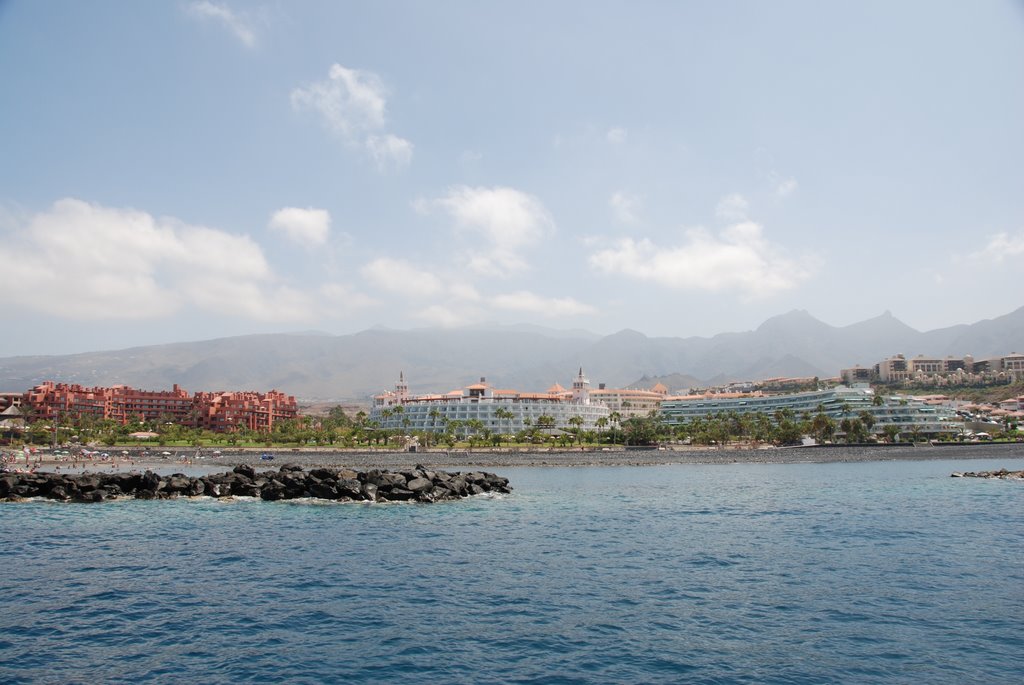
{"points": [[786, 187], [220, 12], [442, 316], [732, 208], [85, 261], [389, 151], [352, 104], [616, 136], [308, 226], [505, 220], [399, 276], [624, 206], [999, 247], [550, 307], [739, 260], [341, 298]]}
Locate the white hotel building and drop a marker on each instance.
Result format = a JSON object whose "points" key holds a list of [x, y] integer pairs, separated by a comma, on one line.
{"points": [[398, 409]]}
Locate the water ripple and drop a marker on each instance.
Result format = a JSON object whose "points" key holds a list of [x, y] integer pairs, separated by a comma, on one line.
{"points": [[868, 573]]}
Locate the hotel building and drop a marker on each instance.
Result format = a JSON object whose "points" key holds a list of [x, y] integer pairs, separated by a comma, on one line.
{"points": [[499, 411], [906, 413], [219, 411]]}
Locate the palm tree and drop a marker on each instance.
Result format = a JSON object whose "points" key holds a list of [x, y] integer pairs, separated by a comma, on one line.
{"points": [[601, 423], [576, 422], [502, 413], [616, 420]]}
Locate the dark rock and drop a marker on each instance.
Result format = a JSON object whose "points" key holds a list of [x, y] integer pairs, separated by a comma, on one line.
{"points": [[289, 482], [289, 467], [419, 484], [245, 470], [323, 490], [396, 495], [150, 481], [58, 493], [324, 474], [350, 487]]}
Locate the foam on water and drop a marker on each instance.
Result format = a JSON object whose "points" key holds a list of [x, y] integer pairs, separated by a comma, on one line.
{"points": [[884, 572]]}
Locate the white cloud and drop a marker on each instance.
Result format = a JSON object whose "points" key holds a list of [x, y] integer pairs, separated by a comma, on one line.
{"points": [[304, 226], [732, 208], [439, 315], [624, 206], [507, 221], [399, 276], [389, 151], [341, 298], [550, 307], [739, 259], [235, 23], [1000, 246], [464, 291], [616, 136], [786, 187], [352, 103], [85, 261]]}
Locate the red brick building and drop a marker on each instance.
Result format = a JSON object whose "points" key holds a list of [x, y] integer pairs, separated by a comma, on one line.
{"points": [[226, 412], [217, 411]]}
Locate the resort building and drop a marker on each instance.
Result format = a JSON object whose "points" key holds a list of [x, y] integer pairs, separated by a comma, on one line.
{"points": [[908, 414], [226, 412], [629, 401], [222, 411], [482, 407], [925, 370]]}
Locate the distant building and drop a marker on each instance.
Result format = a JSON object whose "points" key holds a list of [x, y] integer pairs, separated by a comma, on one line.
{"points": [[224, 411], [629, 401], [923, 370], [908, 414], [498, 411]]}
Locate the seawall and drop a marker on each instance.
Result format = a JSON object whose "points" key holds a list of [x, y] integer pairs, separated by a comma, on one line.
{"points": [[290, 481]]}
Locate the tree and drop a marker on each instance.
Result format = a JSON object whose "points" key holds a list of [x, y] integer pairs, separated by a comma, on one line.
{"points": [[616, 420], [502, 413], [823, 426], [868, 419], [576, 422]]}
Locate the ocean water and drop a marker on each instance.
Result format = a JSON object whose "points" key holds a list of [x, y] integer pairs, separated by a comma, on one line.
{"points": [[884, 572]]}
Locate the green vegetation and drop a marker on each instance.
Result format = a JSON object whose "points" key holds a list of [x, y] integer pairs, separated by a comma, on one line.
{"points": [[338, 430]]}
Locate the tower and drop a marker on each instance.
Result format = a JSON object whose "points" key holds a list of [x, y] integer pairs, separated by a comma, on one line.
{"points": [[581, 389], [401, 389]]}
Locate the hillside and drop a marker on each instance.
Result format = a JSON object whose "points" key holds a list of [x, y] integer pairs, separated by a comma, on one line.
{"points": [[321, 366]]}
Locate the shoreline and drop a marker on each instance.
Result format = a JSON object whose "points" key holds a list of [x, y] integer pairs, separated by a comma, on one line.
{"points": [[312, 458]]}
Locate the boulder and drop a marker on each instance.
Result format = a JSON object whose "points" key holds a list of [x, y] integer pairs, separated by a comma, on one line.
{"points": [[245, 470], [419, 485]]}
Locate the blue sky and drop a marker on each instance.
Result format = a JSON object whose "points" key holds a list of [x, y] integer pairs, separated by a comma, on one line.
{"points": [[188, 170]]}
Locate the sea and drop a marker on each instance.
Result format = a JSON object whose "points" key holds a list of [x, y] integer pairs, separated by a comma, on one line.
{"points": [[880, 572]]}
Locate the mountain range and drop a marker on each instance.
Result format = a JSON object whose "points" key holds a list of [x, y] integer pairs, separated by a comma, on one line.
{"points": [[531, 358]]}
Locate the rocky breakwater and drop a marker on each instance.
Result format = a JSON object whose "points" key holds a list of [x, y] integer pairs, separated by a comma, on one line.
{"points": [[1001, 473], [289, 482]]}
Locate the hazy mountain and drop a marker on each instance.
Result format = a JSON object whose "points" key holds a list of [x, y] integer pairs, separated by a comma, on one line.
{"points": [[320, 366]]}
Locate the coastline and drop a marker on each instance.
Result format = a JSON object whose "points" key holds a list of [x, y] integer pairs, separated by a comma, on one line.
{"points": [[386, 459]]}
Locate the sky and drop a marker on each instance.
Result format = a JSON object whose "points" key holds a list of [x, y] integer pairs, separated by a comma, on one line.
{"points": [[187, 170]]}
